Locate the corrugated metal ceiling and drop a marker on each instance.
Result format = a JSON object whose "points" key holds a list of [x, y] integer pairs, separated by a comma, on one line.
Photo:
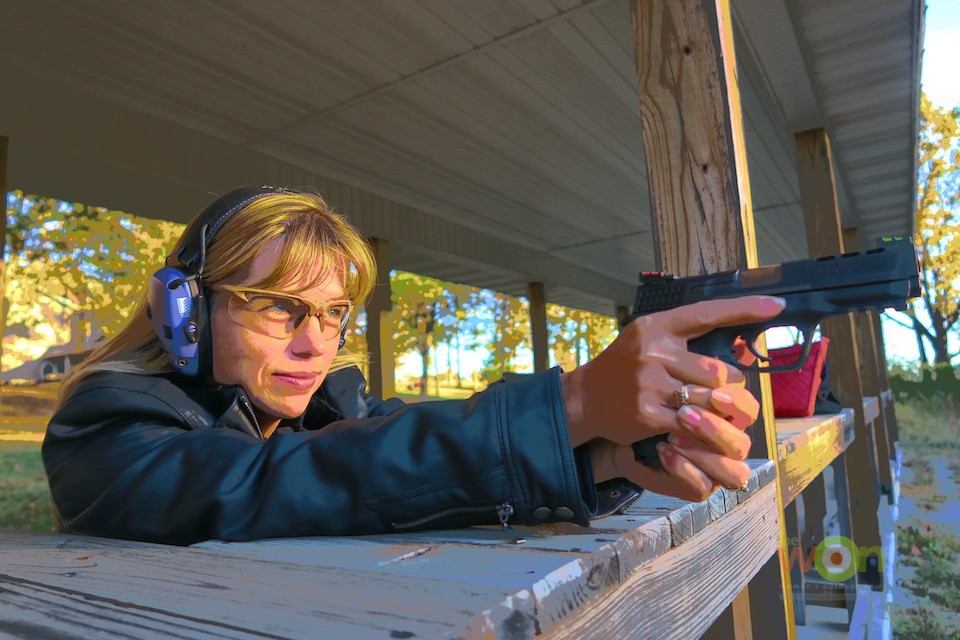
{"points": [[513, 121]]}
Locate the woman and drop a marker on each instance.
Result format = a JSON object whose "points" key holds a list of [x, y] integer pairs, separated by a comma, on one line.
{"points": [[226, 409]]}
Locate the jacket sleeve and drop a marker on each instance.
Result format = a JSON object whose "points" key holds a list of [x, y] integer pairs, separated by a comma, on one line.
{"points": [[126, 462]]}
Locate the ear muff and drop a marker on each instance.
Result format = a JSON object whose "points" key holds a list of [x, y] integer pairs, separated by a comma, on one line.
{"points": [[176, 306], [177, 303]]}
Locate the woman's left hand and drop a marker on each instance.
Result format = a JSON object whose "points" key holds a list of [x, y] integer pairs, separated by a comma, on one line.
{"points": [[691, 469]]}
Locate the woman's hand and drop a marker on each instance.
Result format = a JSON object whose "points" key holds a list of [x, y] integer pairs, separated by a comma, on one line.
{"points": [[691, 469], [630, 393]]}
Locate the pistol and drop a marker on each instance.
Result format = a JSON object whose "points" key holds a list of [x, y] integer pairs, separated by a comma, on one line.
{"points": [[883, 278]]}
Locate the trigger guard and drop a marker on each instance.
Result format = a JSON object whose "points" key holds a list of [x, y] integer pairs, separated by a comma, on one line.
{"points": [[753, 349]]}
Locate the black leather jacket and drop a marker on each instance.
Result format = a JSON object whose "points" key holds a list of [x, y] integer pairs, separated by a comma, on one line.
{"points": [[167, 459]]}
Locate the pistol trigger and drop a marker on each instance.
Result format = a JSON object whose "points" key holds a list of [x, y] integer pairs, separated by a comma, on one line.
{"points": [[751, 342]]}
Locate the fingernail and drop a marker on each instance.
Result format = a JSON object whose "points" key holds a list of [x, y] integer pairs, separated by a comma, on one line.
{"points": [[722, 397], [771, 304], [690, 415], [682, 442], [665, 452]]}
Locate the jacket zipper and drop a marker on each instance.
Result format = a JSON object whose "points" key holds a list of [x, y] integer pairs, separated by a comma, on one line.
{"points": [[504, 511], [249, 409]]}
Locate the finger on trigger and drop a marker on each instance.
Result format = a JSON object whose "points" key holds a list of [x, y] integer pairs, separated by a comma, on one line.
{"points": [[696, 319]]}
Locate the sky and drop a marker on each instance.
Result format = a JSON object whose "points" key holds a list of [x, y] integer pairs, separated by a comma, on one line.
{"points": [[942, 33]]}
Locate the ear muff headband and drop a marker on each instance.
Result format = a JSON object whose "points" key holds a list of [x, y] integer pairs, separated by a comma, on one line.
{"points": [[193, 249]]}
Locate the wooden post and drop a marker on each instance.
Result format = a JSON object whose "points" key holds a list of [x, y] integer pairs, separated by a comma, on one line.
{"points": [[620, 313], [873, 386], [824, 237], [701, 208], [797, 579], [4, 146], [538, 326], [893, 432], [380, 326]]}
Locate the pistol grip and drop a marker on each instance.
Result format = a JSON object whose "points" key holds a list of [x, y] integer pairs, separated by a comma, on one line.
{"points": [[645, 451]]}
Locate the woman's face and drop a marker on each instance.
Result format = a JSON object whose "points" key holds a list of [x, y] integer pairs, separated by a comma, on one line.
{"points": [[278, 374]]}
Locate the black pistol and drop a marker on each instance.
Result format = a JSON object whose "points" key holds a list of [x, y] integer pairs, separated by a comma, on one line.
{"points": [[883, 278]]}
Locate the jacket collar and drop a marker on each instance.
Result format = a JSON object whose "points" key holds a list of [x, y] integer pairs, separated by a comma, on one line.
{"points": [[230, 407]]}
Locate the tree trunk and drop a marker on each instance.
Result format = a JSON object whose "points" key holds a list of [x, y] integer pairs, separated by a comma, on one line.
{"points": [[940, 353], [425, 364], [920, 346]]}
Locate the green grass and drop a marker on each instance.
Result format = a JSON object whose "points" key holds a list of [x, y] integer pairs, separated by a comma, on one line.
{"points": [[929, 425], [920, 623], [24, 497]]}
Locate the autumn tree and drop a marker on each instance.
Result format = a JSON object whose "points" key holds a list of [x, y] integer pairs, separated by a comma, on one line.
{"points": [[576, 336], [510, 331], [417, 305], [938, 232], [79, 268]]}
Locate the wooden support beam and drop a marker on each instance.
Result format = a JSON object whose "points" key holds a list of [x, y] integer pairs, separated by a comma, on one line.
{"points": [[700, 201], [794, 528], [380, 326], [621, 313], [538, 326], [893, 432], [825, 237], [814, 499], [873, 386]]}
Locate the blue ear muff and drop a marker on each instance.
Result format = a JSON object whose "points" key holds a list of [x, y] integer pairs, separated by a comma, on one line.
{"points": [[176, 301], [176, 307]]}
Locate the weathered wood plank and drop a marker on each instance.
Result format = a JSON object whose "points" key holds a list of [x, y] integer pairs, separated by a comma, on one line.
{"points": [[808, 446], [679, 594], [477, 583]]}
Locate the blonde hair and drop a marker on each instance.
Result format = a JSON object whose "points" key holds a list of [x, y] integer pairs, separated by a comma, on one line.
{"points": [[312, 234]]}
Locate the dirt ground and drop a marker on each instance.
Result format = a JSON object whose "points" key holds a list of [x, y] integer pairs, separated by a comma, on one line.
{"points": [[926, 595]]}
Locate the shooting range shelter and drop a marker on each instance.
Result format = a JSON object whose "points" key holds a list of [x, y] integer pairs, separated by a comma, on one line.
{"points": [[546, 148]]}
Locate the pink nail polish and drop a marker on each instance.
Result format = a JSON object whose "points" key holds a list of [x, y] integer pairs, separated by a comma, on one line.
{"points": [[690, 415], [682, 442], [771, 304], [722, 398], [666, 453]]}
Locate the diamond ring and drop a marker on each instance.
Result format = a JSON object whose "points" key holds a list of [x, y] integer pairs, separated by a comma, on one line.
{"points": [[683, 396]]}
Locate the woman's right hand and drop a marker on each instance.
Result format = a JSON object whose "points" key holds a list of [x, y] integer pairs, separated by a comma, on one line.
{"points": [[629, 392]]}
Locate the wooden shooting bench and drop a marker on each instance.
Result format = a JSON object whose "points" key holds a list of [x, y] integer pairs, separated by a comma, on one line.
{"points": [[665, 569]]}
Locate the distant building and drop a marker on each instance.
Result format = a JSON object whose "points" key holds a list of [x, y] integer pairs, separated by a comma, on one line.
{"points": [[50, 366]]}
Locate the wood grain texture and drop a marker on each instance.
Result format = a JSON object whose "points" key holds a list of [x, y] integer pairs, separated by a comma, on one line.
{"points": [[466, 583], [699, 182], [693, 136], [818, 194], [808, 452], [682, 592]]}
